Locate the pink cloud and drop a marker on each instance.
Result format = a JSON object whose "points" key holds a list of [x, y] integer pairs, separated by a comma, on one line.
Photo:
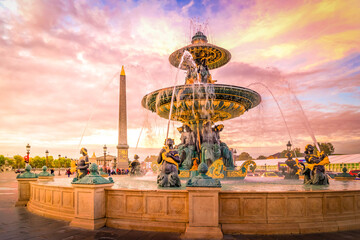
{"points": [[58, 60]]}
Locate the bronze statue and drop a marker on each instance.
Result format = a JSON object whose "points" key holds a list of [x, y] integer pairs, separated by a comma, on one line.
{"points": [[226, 153], [191, 75], [294, 167], [82, 168], [186, 149], [204, 73], [169, 159], [210, 146], [314, 173], [135, 167]]}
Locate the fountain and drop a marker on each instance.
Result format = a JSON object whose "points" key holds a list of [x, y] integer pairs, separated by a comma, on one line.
{"points": [[252, 206], [199, 104]]}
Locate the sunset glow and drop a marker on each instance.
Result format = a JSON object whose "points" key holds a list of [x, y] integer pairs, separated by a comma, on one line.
{"points": [[61, 61]]}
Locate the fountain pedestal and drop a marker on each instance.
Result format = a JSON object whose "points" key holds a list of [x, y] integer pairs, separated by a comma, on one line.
{"points": [[24, 181], [90, 200], [24, 191], [89, 206], [203, 213]]}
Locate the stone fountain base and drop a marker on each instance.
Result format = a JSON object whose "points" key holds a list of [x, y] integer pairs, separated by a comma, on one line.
{"points": [[198, 213]]}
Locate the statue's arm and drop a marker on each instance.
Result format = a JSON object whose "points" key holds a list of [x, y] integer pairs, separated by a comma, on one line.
{"points": [[160, 156]]}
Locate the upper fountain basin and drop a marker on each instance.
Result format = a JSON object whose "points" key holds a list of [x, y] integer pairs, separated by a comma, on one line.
{"points": [[199, 102]]}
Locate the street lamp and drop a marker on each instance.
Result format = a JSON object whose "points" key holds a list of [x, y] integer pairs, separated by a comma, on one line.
{"points": [[105, 149], [47, 156], [288, 146], [59, 164], [27, 154]]}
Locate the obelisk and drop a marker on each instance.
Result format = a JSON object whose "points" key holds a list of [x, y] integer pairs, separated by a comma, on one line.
{"points": [[122, 147]]}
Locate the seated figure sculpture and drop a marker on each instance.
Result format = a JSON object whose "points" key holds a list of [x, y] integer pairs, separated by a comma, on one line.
{"points": [[210, 146], [226, 153], [191, 75], [294, 168], [169, 161], [314, 173], [187, 147], [204, 73], [83, 165], [135, 167]]}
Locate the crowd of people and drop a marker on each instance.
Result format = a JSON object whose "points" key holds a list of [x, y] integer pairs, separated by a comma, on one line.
{"points": [[107, 170]]}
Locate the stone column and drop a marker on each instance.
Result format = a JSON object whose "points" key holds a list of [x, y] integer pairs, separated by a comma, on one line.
{"points": [[24, 181], [122, 147], [89, 206], [24, 191], [203, 213], [90, 200]]}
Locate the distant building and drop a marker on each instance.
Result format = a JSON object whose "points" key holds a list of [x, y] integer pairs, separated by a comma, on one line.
{"points": [[148, 160], [93, 159], [110, 161]]}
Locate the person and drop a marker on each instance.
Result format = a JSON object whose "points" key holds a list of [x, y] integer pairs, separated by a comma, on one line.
{"points": [[68, 172], [52, 171], [169, 161]]}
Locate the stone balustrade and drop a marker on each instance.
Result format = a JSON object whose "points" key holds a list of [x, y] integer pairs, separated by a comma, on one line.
{"points": [[292, 212], [289, 212], [57, 202], [149, 210]]}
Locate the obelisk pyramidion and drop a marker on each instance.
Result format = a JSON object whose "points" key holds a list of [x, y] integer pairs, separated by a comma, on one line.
{"points": [[122, 147]]}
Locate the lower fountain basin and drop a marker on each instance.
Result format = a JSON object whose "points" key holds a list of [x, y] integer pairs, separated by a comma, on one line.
{"points": [[252, 206]]}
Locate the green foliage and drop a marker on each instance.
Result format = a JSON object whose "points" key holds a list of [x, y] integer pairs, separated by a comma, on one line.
{"points": [[244, 156], [296, 152], [2, 160], [11, 162], [19, 162], [261, 157], [37, 162], [328, 148]]}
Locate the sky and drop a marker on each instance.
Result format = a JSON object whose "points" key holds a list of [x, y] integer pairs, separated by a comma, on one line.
{"points": [[60, 65]]}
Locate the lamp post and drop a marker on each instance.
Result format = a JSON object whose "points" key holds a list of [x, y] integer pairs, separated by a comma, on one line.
{"points": [[105, 149], [288, 146], [47, 156], [27, 154], [59, 164]]}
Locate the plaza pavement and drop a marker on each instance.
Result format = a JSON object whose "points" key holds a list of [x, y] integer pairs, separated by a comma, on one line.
{"points": [[18, 223]]}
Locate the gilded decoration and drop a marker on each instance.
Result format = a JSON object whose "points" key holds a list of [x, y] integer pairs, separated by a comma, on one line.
{"points": [[216, 170], [190, 102], [249, 164], [184, 174]]}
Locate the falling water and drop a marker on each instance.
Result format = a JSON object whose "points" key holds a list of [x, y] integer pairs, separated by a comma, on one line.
{"points": [[305, 119], [278, 105], [184, 57], [94, 106]]}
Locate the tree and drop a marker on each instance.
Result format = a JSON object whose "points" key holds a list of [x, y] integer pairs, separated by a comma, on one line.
{"points": [[2, 160], [37, 162], [11, 162], [328, 148], [244, 156], [261, 157], [19, 161]]}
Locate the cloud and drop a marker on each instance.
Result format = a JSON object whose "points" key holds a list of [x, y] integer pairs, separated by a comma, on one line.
{"points": [[61, 61]]}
